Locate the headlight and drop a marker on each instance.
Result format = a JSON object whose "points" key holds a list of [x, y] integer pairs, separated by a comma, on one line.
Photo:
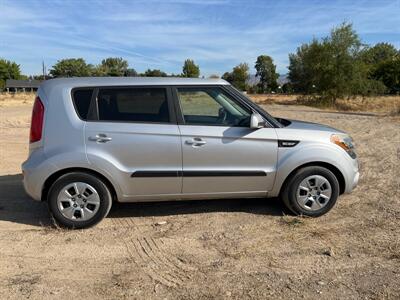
{"points": [[345, 142]]}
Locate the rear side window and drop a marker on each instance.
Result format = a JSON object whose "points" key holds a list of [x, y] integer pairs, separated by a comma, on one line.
{"points": [[82, 98], [133, 105]]}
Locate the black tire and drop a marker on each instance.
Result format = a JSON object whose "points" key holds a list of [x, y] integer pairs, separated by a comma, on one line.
{"points": [[289, 190], [95, 182]]}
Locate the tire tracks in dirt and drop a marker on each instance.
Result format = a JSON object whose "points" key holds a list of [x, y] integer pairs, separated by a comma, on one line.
{"points": [[154, 256]]}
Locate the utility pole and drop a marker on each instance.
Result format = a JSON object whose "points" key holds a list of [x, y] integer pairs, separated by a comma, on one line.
{"points": [[44, 70]]}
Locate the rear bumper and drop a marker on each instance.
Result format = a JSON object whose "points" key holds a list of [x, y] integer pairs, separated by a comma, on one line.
{"points": [[35, 171], [30, 184]]}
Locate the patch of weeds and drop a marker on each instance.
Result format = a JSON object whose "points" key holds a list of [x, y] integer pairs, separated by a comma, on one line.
{"points": [[21, 279], [48, 228], [394, 251], [395, 111], [317, 233], [328, 252], [24, 283], [52, 227], [316, 101], [292, 221]]}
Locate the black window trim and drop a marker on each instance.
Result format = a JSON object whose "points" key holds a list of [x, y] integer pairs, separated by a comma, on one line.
{"points": [[272, 122], [239, 100], [73, 90], [175, 112], [202, 173], [93, 112], [94, 109]]}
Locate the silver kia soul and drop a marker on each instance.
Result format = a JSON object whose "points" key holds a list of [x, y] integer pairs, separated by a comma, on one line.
{"points": [[98, 140]]}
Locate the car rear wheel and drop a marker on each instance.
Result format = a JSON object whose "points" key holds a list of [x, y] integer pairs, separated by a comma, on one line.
{"points": [[311, 191], [79, 200]]}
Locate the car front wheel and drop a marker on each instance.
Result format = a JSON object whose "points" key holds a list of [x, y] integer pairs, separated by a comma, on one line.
{"points": [[311, 191], [79, 200]]}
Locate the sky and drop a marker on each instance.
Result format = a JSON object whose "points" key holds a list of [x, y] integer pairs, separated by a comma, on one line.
{"points": [[217, 34]]}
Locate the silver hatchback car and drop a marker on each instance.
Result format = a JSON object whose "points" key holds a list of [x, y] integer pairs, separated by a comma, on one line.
{"points": [[98, 140]]}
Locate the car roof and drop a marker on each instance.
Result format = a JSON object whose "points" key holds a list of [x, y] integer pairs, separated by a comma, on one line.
{"points": [[127, 81]]}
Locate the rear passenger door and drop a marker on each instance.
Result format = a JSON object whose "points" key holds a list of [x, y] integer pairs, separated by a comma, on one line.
{"points": [[132, 134]]}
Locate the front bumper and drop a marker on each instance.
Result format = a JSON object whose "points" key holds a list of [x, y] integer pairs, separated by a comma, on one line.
{"points": [[356, 179], [352, 176]]}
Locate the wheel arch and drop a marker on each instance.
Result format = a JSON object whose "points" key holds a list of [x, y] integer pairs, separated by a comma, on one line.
{"points": [[338, 174], [53, 177]]}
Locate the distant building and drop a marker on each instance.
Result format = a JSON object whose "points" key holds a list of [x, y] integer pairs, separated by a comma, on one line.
{"points": [[29, 85]]}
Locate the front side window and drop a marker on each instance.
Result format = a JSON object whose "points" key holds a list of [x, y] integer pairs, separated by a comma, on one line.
{"points": [[212, 106], [133, 105]]}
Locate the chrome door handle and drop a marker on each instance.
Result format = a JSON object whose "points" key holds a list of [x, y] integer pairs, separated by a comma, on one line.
{"points": [[195, 142], [100, 138]]}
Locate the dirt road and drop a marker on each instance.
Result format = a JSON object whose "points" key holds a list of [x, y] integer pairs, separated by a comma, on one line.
{"points": [[210, 249]]}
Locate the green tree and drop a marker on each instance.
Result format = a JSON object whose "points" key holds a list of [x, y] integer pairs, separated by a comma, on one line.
{"points": [[331, 67], [8, 70], [39, 77], [227, 76], [389, 73], [238, 76], [96, 71], [381, 64], [71, 67], [252, 89], [266, 71], [154, 73], [190, 69], [379, 53], [287, 88], [112, 66], [131, 72]]}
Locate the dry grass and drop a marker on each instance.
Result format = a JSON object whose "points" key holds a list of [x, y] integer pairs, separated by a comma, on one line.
{"points": [[9, 99], [292, 221], [381, 104], [273, 98]]}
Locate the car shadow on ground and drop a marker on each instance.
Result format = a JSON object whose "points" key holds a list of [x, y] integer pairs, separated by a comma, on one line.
{"points": [[271, 207], [17, 207]]}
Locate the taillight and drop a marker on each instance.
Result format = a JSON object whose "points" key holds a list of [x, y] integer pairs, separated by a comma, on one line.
{"points": [[37, 121]]}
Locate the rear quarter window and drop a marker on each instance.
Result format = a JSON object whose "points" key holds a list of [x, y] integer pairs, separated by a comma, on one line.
{"points": [[82, 99]]}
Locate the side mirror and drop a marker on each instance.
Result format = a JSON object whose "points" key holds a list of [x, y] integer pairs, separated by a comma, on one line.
{"points": [[256, 121]]}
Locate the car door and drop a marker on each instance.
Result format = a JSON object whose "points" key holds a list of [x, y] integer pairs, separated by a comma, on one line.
{"points": [[134, 136], [221, 155]]}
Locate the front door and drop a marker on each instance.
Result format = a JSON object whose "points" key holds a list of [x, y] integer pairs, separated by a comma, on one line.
{"points": [[221, 155], [137, 140]]}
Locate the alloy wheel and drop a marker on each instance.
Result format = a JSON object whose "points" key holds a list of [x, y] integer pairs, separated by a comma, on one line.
{"points": [[314, 192], [78, 201]]}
